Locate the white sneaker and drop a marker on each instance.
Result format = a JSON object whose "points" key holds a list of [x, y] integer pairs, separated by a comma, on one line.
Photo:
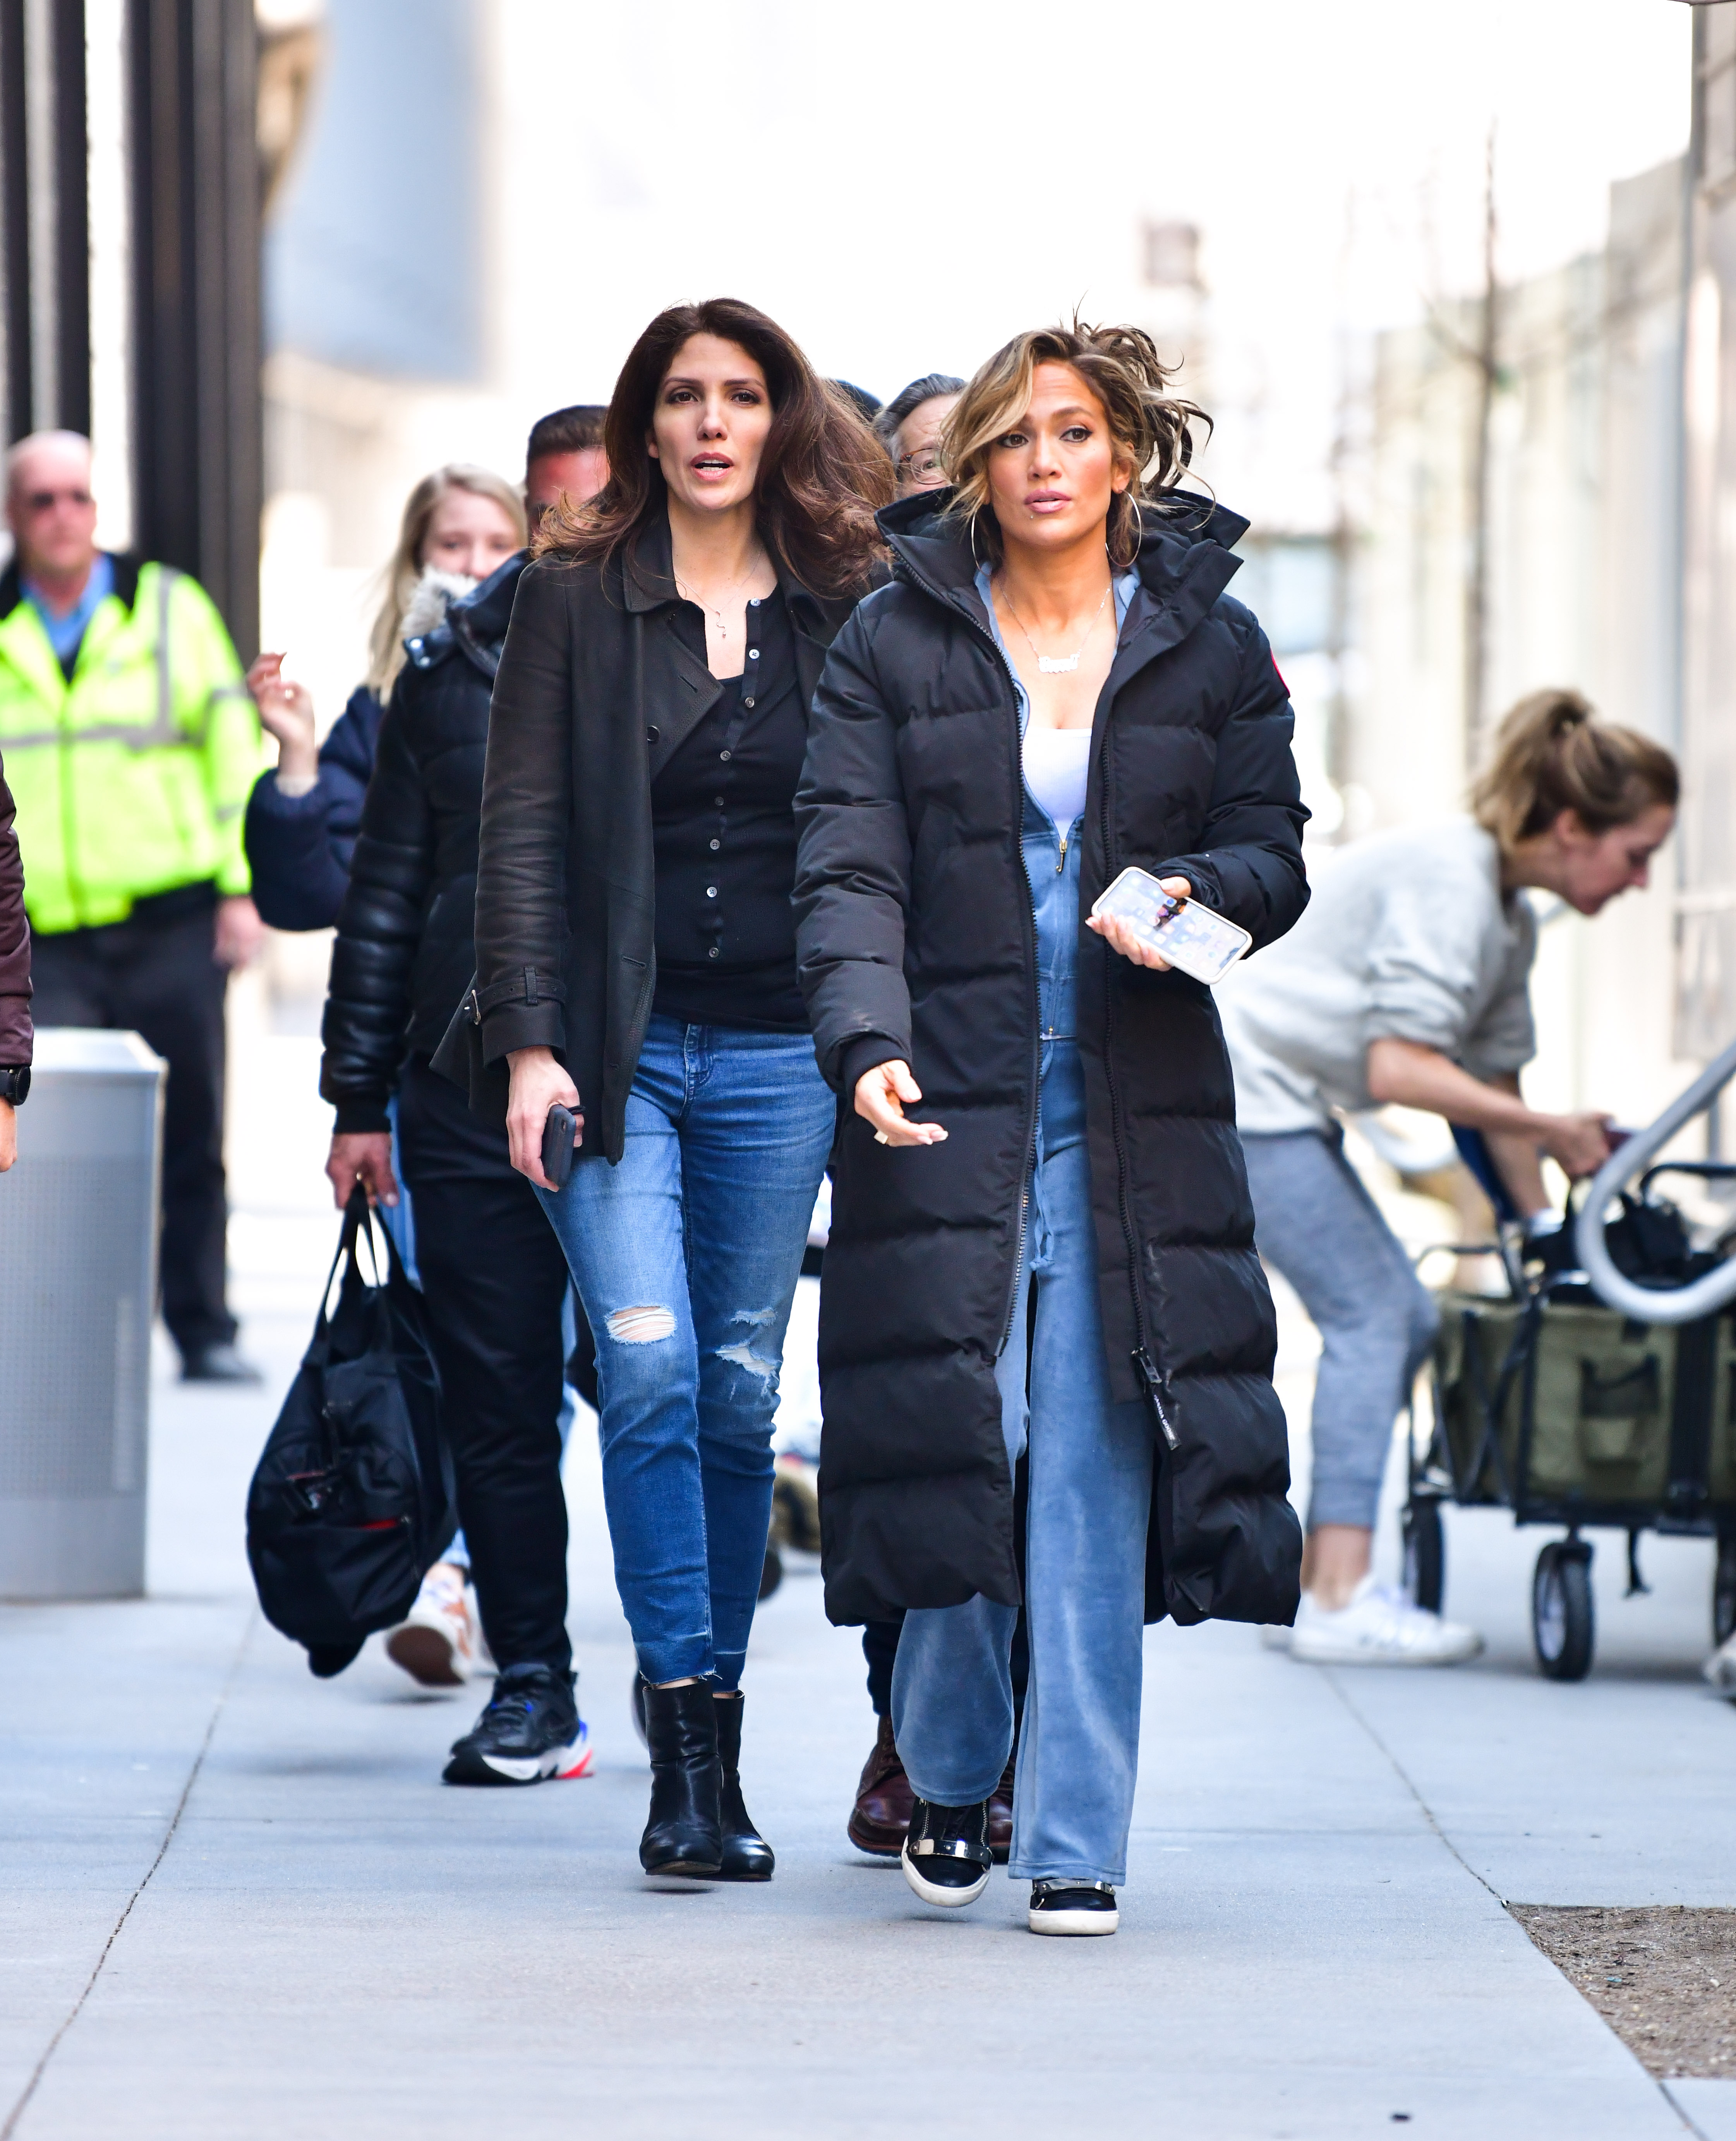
{"points": [[1379, 1628], [441, 1642], [1720, 1668]]}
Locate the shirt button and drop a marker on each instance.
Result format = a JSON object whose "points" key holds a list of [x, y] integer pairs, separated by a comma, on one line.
{"points": [[723, 754], [715, 845], [713, 953], [710, 892], [651, 736], [752, 654], [747, 702], [718, 801]]}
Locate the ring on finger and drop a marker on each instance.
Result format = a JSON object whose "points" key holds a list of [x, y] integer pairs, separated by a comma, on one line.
{"points": [[881, 1138]]}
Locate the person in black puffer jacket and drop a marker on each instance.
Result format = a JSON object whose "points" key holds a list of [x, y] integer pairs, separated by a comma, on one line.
{"points": [[491, 1269], [303, 815], [992, 743]]}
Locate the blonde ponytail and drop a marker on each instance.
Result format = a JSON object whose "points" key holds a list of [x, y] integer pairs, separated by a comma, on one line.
{"points": [[1552, 754]]}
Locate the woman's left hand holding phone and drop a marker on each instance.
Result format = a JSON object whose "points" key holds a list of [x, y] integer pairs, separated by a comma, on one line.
{"points": [[538, 1084], [1119, 934]]}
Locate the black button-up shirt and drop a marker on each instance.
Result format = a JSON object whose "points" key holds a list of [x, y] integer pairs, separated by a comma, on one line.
{"points": [[723, 828]]}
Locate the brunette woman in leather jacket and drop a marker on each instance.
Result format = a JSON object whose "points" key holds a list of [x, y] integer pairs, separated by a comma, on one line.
{"points": [[636, 963]]}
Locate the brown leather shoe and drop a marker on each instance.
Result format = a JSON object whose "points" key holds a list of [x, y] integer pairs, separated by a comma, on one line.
{"points": [[1000, 1814], [884, 1800]]}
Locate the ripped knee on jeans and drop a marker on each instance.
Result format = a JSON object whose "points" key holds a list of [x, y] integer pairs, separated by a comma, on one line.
{"points": [[642, 1326], [743, 1355]]}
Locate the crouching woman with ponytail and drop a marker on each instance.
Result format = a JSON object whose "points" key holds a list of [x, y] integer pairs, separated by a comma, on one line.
{"points": [[1407, 981]]}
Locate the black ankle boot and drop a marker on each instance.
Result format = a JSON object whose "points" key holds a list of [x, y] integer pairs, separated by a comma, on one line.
{"points": [[747, 1854], [684, 1833]]}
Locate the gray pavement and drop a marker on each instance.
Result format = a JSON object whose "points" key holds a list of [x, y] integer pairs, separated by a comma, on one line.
{"points": [[237, 1901]]}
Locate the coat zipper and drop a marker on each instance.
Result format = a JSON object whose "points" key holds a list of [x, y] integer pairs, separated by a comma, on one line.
{"points": [[1156, 1383], [1030, 912]]}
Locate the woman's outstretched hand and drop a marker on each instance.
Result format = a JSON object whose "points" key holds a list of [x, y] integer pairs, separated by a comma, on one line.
{"points": [[1119, 935], [538, 1084], [363, 1156], [285, 711], [880, 1095]]}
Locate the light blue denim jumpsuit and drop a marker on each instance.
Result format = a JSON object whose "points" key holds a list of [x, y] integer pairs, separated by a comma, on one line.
{"points": [[1090, 1465]]}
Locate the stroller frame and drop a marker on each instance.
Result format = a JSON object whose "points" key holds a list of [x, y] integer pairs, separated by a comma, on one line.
{"points": [[1563, 1625]]}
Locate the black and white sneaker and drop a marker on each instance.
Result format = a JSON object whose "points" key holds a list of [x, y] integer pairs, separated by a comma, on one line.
{"points": [[1073, 1906], [531, 1729], [946, 1857]]}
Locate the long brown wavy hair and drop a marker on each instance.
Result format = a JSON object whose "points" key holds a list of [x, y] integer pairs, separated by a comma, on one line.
{"points": [[822, 471], [1153, 428]]}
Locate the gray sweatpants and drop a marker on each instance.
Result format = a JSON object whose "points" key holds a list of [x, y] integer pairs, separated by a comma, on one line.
{"points": [[1314, 1222]]}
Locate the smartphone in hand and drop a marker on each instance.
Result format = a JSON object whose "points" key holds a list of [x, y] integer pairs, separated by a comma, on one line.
{"points": [[1190, 936], [558, 1133]]}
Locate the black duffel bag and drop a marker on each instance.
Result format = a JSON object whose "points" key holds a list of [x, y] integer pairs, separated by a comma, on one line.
{"points": [[352, 1501]]}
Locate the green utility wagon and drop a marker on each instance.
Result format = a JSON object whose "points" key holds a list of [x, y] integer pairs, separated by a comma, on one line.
{"points": [[1567, 1412]]}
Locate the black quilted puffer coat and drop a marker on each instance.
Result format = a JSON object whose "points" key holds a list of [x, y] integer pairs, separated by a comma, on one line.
{"points": [[917, 940], [404, 954]]}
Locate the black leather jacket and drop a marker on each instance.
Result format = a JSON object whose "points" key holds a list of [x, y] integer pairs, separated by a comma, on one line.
{"points": [[404, 955], [602, 678]]}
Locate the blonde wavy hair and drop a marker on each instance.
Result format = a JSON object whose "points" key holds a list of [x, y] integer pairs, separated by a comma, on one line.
{"points": [[1152, 429], [1552, 754], [385, 642]]}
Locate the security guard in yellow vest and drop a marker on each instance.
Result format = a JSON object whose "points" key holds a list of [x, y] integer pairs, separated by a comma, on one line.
{"points": [[130, 744]]}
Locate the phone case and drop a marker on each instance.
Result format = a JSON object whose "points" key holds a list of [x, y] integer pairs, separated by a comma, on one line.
{"points": [[557, 1144], [1192, 937]]}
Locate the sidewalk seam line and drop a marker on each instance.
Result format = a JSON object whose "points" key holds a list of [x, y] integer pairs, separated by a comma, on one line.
{"points": [[1680, 2112], [1403, 1776], [23, 2106]]}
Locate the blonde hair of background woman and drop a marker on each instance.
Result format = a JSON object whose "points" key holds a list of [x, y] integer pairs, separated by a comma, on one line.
{"points": [[385, 646], [1552, 754], [1153, 430]]}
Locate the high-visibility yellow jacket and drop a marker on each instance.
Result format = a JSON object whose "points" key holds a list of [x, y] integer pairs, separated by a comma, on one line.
{"points": [[131, 777]]}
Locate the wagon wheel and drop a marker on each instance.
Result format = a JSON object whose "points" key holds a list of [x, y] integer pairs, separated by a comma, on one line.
{"points": [[1724, 1589], [1561, 1624], [1425, 1553]]}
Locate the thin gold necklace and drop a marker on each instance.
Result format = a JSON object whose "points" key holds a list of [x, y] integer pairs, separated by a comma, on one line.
{"points": [[688, 595], [1056, 665]]}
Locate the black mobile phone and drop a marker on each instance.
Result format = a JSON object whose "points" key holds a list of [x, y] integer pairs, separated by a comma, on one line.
{"points": [[558, 1134]]}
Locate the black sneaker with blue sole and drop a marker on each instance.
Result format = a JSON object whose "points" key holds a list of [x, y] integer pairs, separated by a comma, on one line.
{"points": [[530, 1731]]}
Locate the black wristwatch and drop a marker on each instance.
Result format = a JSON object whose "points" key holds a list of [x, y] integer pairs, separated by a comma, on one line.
{"points": [[15, 1085]]}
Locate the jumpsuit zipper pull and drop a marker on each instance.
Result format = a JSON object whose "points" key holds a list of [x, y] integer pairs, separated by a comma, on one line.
{"points": [[1062, 864], [1154, 1387]]}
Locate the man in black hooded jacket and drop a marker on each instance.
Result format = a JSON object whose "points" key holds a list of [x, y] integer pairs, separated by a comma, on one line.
{"points": [[489, 1264]]}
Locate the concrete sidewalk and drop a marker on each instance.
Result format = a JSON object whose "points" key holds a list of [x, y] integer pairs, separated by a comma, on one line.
{"points": [[238, 1901]]}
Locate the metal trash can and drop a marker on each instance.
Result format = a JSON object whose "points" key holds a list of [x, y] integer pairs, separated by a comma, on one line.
{"points": [[78, 1272]]}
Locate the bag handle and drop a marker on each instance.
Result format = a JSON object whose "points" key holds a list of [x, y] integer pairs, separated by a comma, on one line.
{"points": [[354, 1218]]}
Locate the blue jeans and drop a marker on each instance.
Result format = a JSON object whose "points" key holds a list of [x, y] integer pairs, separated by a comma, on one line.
{"points": [[1090, 1468], [686, 1257], [1314, 1222]]}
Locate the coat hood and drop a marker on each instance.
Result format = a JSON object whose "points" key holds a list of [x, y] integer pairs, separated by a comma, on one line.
{"points": [[449, 613], [1185, 560]]}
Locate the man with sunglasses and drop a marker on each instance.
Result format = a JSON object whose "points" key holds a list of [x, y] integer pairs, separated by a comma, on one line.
{"points": [[131, 744]]}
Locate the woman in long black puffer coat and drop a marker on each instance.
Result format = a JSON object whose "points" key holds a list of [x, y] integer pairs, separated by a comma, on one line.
{"points": [[988, 752]]}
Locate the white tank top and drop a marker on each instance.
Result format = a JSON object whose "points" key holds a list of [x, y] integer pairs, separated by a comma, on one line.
{"points": [[1056, 763]]}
